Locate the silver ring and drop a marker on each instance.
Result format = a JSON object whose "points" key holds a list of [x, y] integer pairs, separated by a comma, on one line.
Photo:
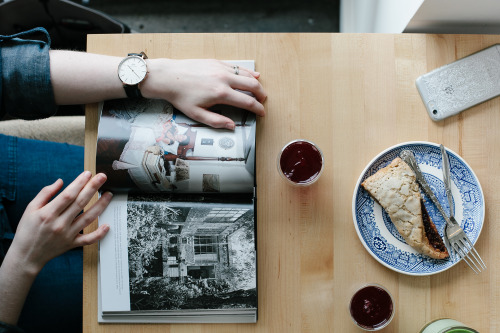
{"points": [[236, 70]]}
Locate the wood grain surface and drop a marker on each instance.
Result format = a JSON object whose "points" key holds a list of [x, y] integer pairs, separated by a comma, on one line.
{"points": [[354, 95]]}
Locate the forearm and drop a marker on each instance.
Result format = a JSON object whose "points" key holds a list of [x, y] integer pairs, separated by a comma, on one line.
{"points": [[82, 78], [15, 282], [49, 227], [192, 86]]}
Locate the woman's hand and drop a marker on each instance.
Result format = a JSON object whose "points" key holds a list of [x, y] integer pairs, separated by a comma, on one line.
{"points": [[49, 228], [193, 86]]}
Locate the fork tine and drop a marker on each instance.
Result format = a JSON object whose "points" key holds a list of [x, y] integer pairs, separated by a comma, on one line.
{"points": [[466, 247], [470, 253], [475, 254], [478, 258], [463, 255], [468, 261]]}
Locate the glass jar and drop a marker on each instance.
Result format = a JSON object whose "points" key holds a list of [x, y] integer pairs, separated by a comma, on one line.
{"points": [[446, 325], [300, 162]]}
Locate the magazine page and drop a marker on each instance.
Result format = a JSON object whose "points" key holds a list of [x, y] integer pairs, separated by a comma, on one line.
{"points": [[148, 146], [180, 255]]}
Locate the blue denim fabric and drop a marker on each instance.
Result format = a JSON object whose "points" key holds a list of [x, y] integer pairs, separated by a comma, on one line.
{"points": [[25, 86], [6, 328], [7, 188], [54, 303], [55, 298]]}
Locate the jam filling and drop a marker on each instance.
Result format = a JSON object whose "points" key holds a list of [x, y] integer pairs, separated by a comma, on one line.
{"points": [[431, 231]]}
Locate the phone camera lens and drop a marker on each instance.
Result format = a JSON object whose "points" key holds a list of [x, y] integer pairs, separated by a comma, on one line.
{"points": [[435, 112]]}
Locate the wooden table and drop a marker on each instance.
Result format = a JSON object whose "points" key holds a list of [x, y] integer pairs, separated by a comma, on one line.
{"points": [[354, 95]]}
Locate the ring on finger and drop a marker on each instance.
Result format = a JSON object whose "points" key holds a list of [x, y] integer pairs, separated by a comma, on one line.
{"points": [[236, 69]]}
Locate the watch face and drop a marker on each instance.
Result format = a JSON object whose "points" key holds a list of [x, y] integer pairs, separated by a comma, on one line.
{"points": [[132, 70]]}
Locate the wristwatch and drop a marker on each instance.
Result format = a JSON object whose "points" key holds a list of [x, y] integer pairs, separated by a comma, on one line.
{"points": [[132, 70]]}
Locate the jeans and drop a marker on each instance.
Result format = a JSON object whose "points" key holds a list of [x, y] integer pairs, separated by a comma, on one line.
{"points": [[54, 303]]}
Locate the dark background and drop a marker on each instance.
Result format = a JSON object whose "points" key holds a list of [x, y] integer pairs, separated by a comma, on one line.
{"points": [[224, 15]]}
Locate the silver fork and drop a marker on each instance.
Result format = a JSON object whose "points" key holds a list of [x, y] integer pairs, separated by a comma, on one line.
{"points": [[459, 241], [454, 231]]}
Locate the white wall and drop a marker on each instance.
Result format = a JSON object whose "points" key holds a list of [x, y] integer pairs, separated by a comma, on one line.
{"points": [[457, 16], [428, 16], [385, 16]]}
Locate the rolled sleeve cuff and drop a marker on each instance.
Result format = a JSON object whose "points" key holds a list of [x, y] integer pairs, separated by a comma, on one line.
{"points": [[27, 89], [6, 328]]}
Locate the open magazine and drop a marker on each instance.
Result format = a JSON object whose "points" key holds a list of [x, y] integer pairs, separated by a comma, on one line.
{"points": [[181, 247]]}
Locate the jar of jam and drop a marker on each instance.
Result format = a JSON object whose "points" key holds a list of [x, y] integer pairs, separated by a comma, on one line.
{"points": [[300, 162], [372, 307]]}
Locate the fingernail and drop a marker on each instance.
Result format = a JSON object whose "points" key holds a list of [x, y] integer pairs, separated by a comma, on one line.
{"points": [[230, 126], [87, 174], [103, 176], [105, 227]]}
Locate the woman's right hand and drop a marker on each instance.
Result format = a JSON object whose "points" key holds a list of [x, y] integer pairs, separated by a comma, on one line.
{"points": [[51, 226]]}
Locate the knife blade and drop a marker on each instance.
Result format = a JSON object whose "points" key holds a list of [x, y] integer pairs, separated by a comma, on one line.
{"points": [[447, 179], [409, 158]]}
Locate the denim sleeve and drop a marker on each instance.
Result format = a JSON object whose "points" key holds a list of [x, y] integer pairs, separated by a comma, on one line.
{"points": [[25, 86], [6, 328]]}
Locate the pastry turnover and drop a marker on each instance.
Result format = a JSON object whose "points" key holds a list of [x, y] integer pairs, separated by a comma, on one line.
{"points": [[395, 188]]}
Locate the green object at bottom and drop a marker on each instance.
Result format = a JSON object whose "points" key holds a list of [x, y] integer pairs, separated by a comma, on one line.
{"points": [[446, 325]]}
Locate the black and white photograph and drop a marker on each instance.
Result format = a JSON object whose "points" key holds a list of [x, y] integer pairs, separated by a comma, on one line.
{"points": [[187, 255]]}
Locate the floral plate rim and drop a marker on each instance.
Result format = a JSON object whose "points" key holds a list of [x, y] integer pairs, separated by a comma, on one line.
{"points": [[439, 266]]}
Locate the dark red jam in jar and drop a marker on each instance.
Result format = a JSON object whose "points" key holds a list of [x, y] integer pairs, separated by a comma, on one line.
{"points": [[301, 162], [372, 307]]}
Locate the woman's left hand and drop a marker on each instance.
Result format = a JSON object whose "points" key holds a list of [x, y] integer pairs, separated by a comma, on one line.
{"points": [[195, 85]]}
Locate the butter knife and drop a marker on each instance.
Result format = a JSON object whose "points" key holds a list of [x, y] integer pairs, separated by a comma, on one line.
{"points": [[447, 179], [409, 158], [461, 246]]}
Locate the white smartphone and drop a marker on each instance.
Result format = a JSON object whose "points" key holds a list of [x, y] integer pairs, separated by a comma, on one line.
{"points": [[453, 88]]}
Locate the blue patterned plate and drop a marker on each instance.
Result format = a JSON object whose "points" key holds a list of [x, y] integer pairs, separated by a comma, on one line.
{"points": [[381, 238]]}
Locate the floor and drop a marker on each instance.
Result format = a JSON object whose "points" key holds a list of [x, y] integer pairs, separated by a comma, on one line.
{"points": [[223, 15]]}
